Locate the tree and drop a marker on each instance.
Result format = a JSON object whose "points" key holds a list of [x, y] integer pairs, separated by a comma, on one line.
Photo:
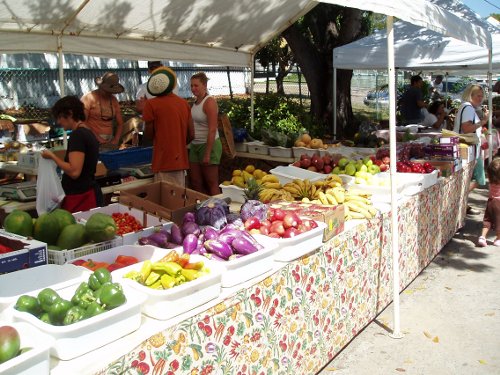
{"points": [[277, 52], [312, 40]]}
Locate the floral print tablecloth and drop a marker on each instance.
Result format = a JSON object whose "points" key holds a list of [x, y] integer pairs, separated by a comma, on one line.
{"points": [[299, 318]]}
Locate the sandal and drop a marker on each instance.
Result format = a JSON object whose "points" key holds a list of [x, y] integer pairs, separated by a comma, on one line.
{"points": [[481, 242]]}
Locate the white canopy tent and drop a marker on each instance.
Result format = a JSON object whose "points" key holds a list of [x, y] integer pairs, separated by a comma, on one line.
{"points": [[227, 32], [417, 48]]}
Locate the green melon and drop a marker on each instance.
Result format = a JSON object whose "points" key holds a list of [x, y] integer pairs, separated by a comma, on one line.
{"points": [[100, 227], [72, 236], [46, 229], [19, 222], [63, 217]]}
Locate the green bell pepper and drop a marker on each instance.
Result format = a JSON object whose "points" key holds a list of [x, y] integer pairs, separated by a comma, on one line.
{"points": [[45, 318], [83, 296], [46, 298], [93, 309], [112, 296], [73, 315], [28, 304], [58, 310], [98, 278]]}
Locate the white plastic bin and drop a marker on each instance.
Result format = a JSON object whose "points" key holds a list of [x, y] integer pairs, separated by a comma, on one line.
{"points": [[289, 173], [234, 192]]}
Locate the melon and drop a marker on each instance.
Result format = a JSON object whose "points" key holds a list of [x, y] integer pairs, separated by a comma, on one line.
{"points": [[19, 222], [72, 236], [46, 229], [63, 217], [100, 227]]}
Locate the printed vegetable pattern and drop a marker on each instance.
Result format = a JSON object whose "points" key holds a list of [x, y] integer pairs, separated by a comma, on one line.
{"points": [[293, 321]]}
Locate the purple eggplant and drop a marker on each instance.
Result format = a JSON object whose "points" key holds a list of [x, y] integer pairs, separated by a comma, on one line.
{"points": [[242, 246], [235, 256], [170, 245], [201, 249], [228, 228], [166, 232], [189, 217], [218, 248], [214, 257], [159, 237], [190, 243], [210, 233], [176, 234], [251, 239], [228, 236], [190, 227], [147, 241]]}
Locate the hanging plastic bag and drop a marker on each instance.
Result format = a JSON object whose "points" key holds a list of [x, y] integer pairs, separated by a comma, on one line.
{"points": [[49, 191]]}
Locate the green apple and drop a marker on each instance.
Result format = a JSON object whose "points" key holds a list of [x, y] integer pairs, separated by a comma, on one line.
{"points": [[367, 162], [336, 170], [374, 169], [350, 169], [343, 162], [361, 168]]}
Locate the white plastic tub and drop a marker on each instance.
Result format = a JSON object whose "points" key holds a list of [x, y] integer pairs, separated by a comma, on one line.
{"points": [[246, 268], [281, 152], [15, 284], [165, 304], [241, 146], [234, 192], [141, 252], [289, 173], [35, 361], [299, 151], [82, 337], [288, 249], [258, 147]]}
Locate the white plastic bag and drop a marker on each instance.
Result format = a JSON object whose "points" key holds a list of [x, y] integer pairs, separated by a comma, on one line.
{"points": [[49, 191]]}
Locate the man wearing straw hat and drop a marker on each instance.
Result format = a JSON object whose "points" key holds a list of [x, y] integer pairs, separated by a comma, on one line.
{"points": [[170, 125]]}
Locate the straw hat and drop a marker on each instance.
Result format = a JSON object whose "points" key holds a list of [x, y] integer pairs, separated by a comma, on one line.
{"points": [[162, 81], [109, 82]]}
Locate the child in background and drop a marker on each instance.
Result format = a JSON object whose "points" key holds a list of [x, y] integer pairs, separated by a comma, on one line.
{"points": [[491, 218]]}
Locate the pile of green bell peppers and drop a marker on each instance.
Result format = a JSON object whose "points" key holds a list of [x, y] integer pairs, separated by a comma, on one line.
{"points": [[96, 296]]}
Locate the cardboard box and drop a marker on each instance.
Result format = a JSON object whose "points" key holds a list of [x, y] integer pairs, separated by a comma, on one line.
{"points": [[162, 199], [333, 216], [467, 152], [27, 253]]}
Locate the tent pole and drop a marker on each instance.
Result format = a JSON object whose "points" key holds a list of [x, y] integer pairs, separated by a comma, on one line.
{"points": [[490, 105], [334, 109], [252, 77], [396, 331], [60, 62]]}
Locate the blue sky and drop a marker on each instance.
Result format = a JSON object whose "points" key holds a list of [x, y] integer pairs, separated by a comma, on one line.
{"points": [[482, 7]]}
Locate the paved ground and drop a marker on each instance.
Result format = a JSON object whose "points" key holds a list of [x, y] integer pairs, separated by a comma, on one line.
{"points": [[450, 316]]}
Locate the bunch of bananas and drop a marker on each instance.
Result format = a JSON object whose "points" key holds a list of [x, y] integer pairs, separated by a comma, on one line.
{"points": [[356, 206], [272, 190]]}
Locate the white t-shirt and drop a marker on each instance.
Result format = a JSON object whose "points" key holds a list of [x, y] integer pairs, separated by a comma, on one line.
{"points": [[430, 119], [466, 113], [437, 86]]}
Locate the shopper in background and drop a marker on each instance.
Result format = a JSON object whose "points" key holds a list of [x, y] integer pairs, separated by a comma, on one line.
{"points": [[467, 121], [170, 126], [437, 87], [435, 116], [79, 164], [412, 102], [102, 111], [142, 93], [491, 218], [206, 148]]}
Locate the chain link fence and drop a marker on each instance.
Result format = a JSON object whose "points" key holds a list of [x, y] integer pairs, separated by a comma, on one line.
{"points": [[28, 94]]}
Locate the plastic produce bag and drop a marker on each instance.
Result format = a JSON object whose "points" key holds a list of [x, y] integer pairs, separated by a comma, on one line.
{"points": [[49, 191]]}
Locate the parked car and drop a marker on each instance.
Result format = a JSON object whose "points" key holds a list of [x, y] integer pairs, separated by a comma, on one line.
{"points": [[378, 97]]}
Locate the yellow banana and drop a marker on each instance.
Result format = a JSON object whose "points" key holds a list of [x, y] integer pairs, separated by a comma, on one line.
{"points": [[354, 197], [331, 199], [291, 188], [306, 200], [355, 208], [272, 185], [270, 178], [339, 195], [322, 198], [316, 201]]}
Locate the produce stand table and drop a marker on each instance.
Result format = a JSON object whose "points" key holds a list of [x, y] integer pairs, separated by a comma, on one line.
{"points": [[296, 318]]}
